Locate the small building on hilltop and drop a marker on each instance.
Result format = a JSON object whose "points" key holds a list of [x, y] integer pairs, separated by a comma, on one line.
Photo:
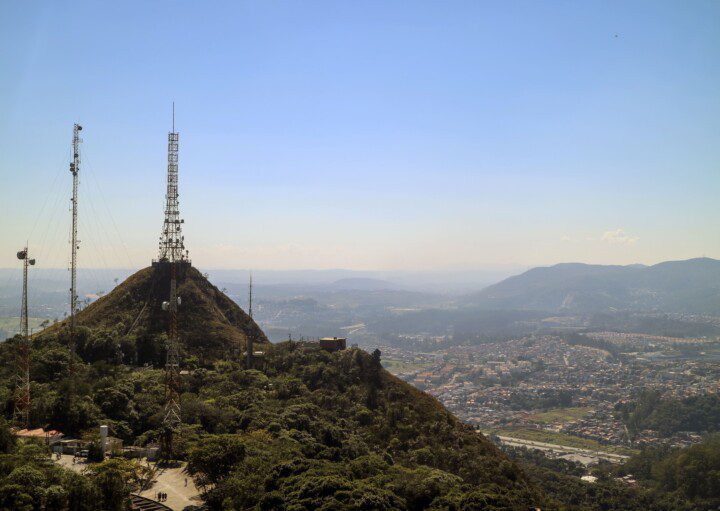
{"points": [[333, 343]]}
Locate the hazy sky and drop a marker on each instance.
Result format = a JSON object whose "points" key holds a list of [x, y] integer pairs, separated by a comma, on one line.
{"points": [[365, 135]]}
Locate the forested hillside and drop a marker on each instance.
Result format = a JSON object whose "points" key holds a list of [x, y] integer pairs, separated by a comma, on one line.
{"points": [[691, 286], [305, 429]]}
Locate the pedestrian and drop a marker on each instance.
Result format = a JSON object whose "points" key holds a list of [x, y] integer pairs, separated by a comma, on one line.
{"points": [[159, 496], [186, 482]]}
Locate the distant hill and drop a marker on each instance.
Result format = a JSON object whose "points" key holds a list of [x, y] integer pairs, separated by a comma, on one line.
{"points": [[210, 324], [691, 286]]}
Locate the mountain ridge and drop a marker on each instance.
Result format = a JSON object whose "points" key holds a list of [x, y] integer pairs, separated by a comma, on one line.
{"points": [[686, 286]]}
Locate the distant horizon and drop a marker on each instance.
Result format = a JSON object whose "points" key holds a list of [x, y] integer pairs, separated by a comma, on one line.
{"points": [[480, 268]]}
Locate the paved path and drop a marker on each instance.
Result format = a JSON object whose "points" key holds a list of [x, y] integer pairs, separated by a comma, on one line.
{"points": [[172, 482], [168, 480]]}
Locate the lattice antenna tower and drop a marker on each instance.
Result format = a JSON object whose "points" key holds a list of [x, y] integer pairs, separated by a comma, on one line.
{"points": [[74, 243], [172, 242], [21, 410], [249, 351], [172, 251]]}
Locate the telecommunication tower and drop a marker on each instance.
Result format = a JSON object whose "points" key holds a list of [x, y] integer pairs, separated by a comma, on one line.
{"points": [[74, 170], [172, 242], [21, 411], [173, 254], [249, 354]]}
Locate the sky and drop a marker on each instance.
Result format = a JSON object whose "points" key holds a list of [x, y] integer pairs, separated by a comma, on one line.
{"points": [[376, 135]]}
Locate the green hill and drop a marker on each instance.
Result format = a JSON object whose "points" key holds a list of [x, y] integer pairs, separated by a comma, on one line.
{"points": [[210, 325]]}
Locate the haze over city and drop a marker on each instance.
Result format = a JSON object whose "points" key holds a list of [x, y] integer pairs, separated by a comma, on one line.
{"points": [[365, 136]]}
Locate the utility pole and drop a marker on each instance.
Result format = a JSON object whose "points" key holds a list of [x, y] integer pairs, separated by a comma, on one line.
{"points": [[21, 411], [172, 254], [249, 354], [74, 170]]}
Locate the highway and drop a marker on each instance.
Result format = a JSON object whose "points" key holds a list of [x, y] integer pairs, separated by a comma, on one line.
{"points": [[585, 456]]}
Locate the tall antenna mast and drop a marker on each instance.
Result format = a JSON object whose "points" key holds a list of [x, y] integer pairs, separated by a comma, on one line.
{"points": [[172, 252], [21, 411], [249, 353], [172, 242], [74, 170]]}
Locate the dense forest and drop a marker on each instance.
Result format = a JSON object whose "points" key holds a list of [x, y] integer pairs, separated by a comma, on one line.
{"points": [[688, 478], [670, 415]]}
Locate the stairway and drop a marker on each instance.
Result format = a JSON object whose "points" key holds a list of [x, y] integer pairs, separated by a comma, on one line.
{"points": [[138, 503]]}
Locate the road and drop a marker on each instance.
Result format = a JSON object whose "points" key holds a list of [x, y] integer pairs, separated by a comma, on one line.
{"points": [[584, 456]]}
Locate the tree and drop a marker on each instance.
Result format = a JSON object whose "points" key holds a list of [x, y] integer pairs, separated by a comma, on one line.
{"points": [[214, 457], [83, 493], [115, 478], [7, 439]]}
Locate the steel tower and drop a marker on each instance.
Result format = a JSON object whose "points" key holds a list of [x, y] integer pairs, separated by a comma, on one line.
{"points": [[75, 245], [21, 411], [173, 254], [172, 242]]}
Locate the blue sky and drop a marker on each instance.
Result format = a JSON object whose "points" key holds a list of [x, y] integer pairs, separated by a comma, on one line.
{"points": [[365, 135]]}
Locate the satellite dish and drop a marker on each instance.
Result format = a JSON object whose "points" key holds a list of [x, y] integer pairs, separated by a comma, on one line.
{"points": [[31, 262], [22, 254]]}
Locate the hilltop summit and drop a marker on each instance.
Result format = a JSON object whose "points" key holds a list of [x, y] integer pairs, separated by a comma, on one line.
{"points": [[211, 325]]}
